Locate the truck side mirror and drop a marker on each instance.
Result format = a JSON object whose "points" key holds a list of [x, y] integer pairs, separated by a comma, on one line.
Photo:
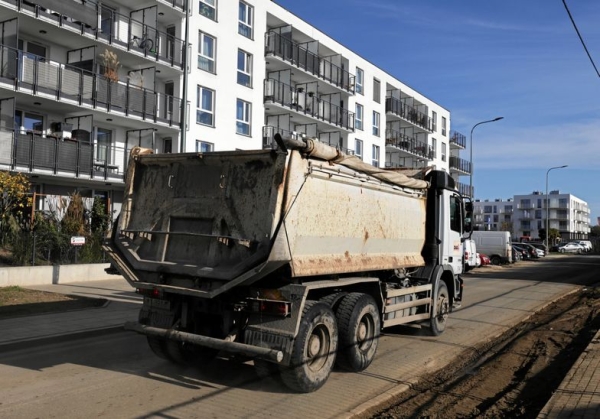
{"points": [[468, 222]]}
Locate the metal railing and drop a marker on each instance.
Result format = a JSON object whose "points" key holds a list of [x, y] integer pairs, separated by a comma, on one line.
{"points": [[464, 189], [409, 144], [460, 164], [118, 30], [397, 107], [33, 152], [299, 56], [71, 84], [307, 103], [456, 138]]}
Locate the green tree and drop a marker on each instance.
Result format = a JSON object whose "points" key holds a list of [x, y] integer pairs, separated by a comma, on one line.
{"points": [[15, 199]]}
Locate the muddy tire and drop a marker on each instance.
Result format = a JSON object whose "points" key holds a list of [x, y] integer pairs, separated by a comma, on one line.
{"points": [[333, 300], [265, 369], [187, 354], [314, 349], [495, 260], [359, 327], [158, 346], [441, 308]]}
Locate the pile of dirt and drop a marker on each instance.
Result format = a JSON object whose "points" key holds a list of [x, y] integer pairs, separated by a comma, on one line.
{"points": [[512, 377], [17, 301]]}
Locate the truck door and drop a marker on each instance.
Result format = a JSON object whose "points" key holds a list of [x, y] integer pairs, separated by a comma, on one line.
{"points": [[452, 232]]}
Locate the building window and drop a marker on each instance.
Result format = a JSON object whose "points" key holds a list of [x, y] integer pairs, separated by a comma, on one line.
{"points": [[208, 8], [246, 13], [443, 151], [434, 121], [375, 155], [103, 146], [444, 126], [358, 118], [206, 52], [244, 74], [376, 90], [360, 77], [358, 148], [204, 147], [376, 123], [243, 115], [107, 18], [433, 148], [26, 121], [167, 145], [205, 103]]}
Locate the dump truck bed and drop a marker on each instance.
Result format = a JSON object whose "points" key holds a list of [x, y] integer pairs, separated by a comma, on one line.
{"points": [[232, 216]]}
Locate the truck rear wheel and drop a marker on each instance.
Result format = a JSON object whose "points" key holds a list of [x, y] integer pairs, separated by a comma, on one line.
{"points": [[359, 327], [441, 308], [158, 346], [314, 349], [188, 354]]}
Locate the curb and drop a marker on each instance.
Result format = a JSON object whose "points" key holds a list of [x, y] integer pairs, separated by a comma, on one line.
{"points": [[61, 337]]}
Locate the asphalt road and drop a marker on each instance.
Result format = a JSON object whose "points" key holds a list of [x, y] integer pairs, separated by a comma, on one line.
{"points": [[115, 375]]}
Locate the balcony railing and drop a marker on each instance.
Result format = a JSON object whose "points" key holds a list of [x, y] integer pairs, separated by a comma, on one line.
{"points": [[307, 103], [73, 85], [397, 107], [118, 30], [456, 163], [411, 145], [457, 139], [31, 152], [465, 190], [299, 56]]}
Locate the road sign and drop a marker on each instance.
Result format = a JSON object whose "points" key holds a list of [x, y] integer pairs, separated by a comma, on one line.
{"points": [[77, 240]]}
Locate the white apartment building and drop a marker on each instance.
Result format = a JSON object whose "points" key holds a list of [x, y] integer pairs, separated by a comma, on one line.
{"points": [[69, 116], [526, 215]]}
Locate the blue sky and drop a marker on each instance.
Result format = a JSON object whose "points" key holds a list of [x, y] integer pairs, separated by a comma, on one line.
{"points": [[486, 58]]}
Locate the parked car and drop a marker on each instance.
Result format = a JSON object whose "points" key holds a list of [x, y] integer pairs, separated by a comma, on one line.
{"points": [[485, 260], [517, 254], [470, 254], [587, 245], [524, 252], [531, 251], [571, 247], [540, 246]]}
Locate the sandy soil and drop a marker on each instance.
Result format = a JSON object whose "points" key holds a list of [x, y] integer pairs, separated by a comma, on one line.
{"points": [[511, 377]]}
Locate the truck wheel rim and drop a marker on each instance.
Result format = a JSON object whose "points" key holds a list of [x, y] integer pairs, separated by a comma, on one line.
{"points": [[318, 348]]}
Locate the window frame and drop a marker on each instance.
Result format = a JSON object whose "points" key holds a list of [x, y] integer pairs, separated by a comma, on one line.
{"points": [[200, 109], [248, 23], [359, 81], [201, 54], [202, 144], [376, 90], [204, 4], [444, 126], [247, 71], [444, 151], [434, 121], [375, 155], [359, 116], [358, 148], [376, 124], [246, 117]]}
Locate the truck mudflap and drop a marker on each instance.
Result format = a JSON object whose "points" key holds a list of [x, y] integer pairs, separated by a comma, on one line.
{"points": [[206, 341]]}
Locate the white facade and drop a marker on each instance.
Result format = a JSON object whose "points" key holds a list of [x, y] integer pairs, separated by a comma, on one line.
{"points": [[526, 215], [68, 118]]}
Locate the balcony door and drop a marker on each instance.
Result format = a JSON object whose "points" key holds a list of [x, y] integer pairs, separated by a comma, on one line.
{"points": [[103, 152], [28, 122]]}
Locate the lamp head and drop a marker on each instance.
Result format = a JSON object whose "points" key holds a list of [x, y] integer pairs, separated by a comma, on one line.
{"points": [[498, 118]]}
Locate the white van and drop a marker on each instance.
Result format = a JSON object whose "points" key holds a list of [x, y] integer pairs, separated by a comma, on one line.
{"points": [[495, 244], [470, 254], [586, 244]]}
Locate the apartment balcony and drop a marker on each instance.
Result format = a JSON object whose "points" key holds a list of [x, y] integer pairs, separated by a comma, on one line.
{"points": [[33, 153], [300, 56], [128, 33], [64, 83], [526, 206], [409, 146], [396, 107], [307, 105], [460, 165], [464, 189], [457, 140]]}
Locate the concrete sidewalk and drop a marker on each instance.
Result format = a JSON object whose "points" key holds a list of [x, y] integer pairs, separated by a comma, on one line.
{"points": [[122, 305], [577, 397]]}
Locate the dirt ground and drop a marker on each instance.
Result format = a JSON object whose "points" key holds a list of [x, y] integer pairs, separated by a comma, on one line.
{"points": [[17, 301], [511, 377]]}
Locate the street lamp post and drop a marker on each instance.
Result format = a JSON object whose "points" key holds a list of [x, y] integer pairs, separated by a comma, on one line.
{"points": [[547, 206], [471, 152]]}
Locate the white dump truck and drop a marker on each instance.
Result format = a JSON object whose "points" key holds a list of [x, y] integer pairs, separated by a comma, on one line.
{"points": [[295, 257]]}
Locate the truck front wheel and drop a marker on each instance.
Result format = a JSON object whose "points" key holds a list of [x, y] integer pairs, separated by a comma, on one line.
{"points": [[314, 349], [441, 308], [359, 327]]}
